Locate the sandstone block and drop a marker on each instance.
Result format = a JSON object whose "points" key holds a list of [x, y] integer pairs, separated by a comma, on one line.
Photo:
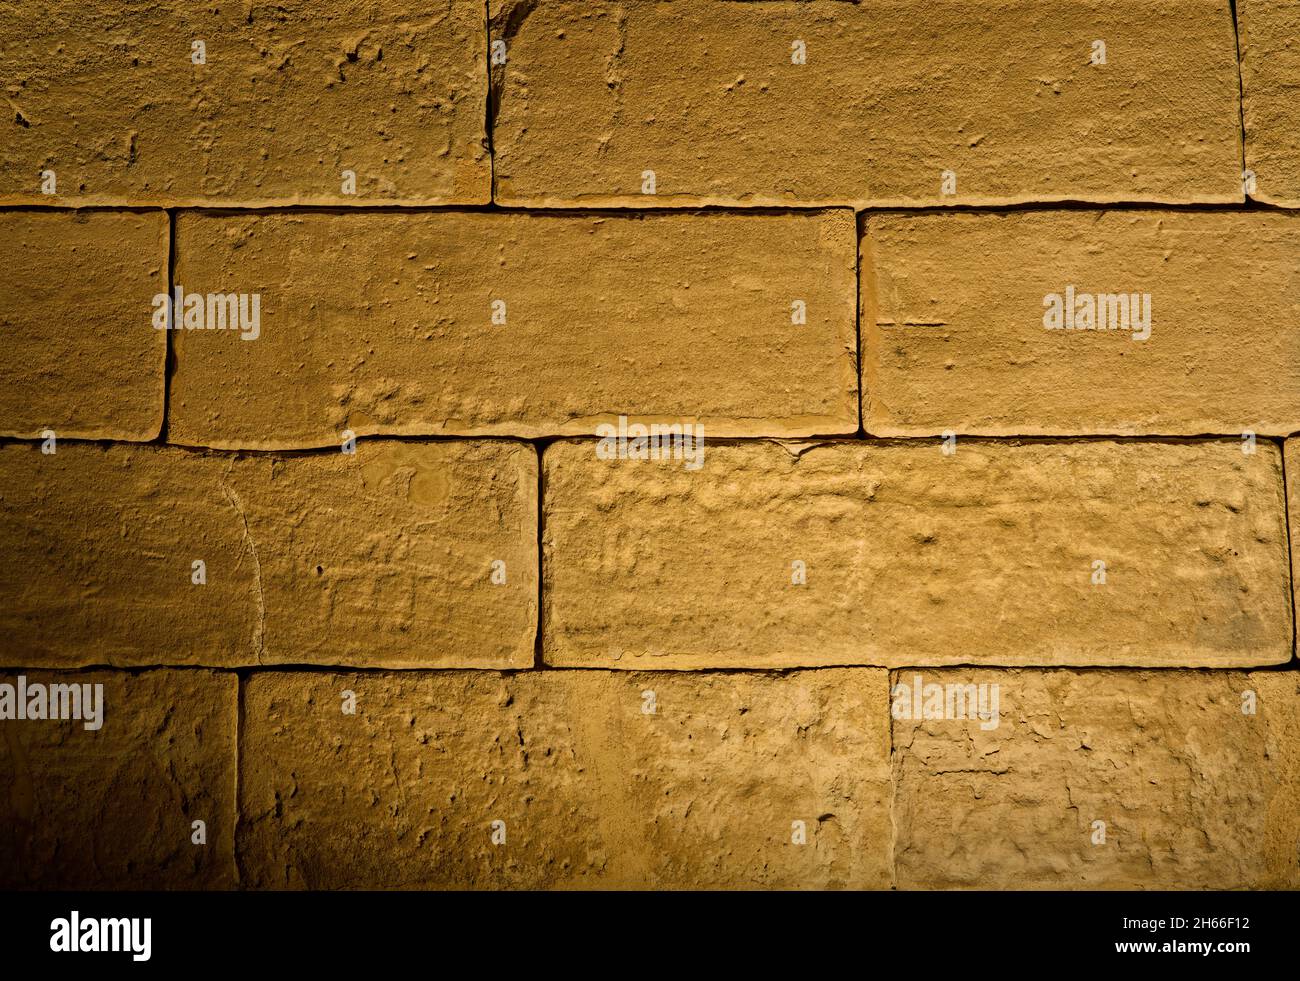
{"points": [[1270, 64], [172, 103], [896, 554], [1076, 323], [403, 555], [115, 807], [590, 790], [893, 102], [81, 358], [513, 324], [1102, 780]]}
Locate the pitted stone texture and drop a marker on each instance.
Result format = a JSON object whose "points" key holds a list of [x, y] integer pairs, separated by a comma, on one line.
{"points": [[1292, 455], [384, 324], [1269, 36], [593, 792], [385, 557], [81, 358], [955, 309], [911, 556], [1193, 793], [114, 808], [1003, 94], [291, 96]]}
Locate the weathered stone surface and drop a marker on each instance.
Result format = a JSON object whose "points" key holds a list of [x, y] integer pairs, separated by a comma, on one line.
{"points": [[1292, 469], [1194, 793], [955, 310], [893, 93], [913, 557], [593, 792], [1267, 33], [383, 324], [114, 807], [382, 558], [291, 95], [80, 356]]}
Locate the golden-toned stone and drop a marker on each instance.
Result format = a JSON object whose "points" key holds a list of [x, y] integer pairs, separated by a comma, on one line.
{"points": [[513, 324], [1198, 308], [386, 557], [81, 357], [1270, 64], [897, 554], [115, 807], [289, 100], [590, 789], [897, 102], [1101, 780]]}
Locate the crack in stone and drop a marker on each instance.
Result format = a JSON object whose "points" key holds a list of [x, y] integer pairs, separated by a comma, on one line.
{"points": [[235, 502]]}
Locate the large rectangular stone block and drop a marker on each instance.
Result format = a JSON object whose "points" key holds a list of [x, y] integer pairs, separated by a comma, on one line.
{"points": [[1075, 323], [402, 555], [517, 324], [562, 779], [172, 103], [82, 359], [896, 554], [113, 799], [1098, 780], [888, 102]]}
